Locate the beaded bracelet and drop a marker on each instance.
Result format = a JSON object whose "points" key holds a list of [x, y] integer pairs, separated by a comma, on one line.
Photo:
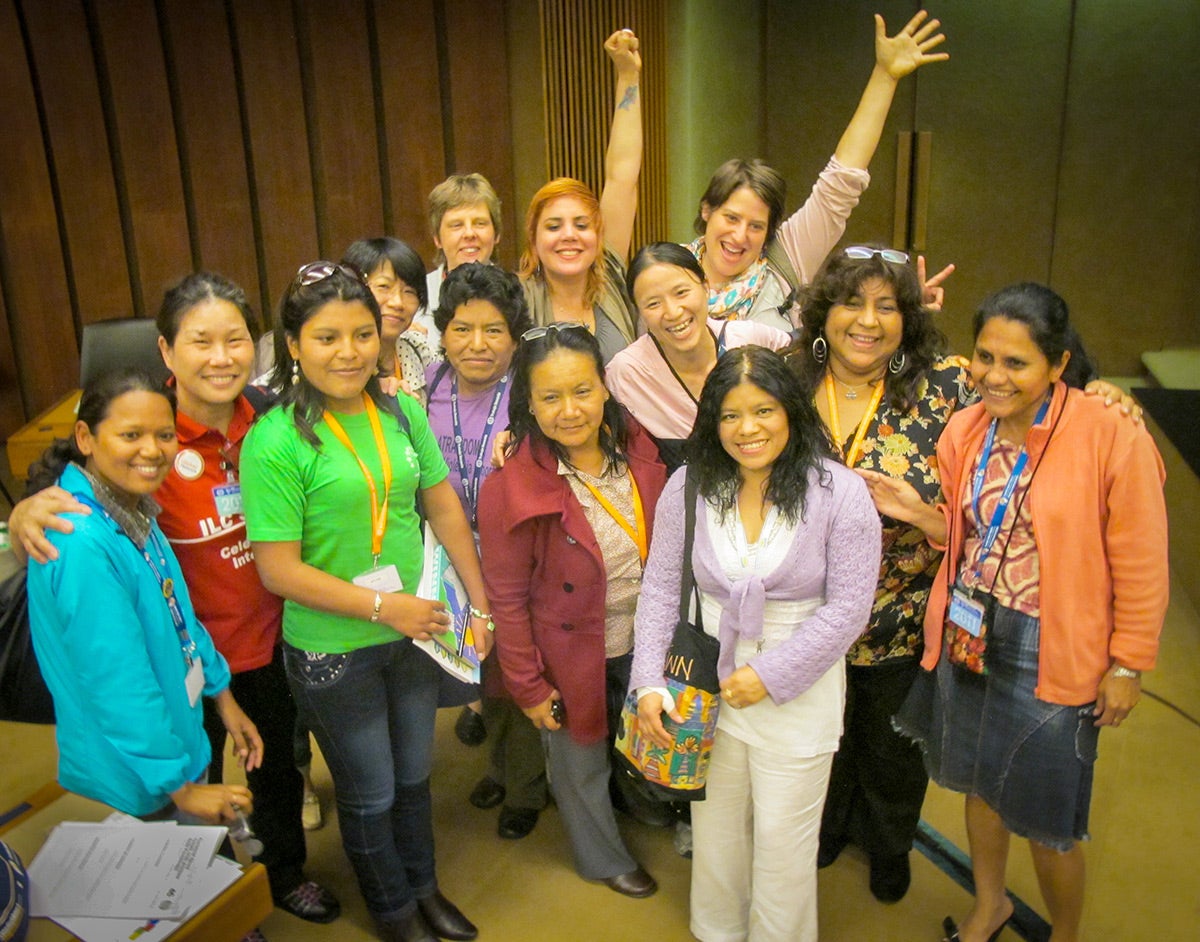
{"points": [[486, 616]]}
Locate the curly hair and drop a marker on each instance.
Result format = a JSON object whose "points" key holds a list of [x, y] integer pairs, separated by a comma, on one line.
{"points": [[1044, 313], [840, 279], [301, 302], [479, 281], [614, 433], [808, 442]]}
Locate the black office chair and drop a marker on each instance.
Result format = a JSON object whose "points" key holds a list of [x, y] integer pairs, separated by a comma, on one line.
{"points": [[123, 341]]}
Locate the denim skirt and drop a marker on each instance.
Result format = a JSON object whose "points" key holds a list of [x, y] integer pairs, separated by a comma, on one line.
{"points": [[988, 735]]}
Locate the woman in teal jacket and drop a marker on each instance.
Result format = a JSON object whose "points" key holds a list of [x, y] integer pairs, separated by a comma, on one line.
{"points": [[113, 626]]}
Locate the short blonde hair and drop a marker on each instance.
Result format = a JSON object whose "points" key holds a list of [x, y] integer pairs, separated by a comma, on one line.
{"points": [[461, 189]]}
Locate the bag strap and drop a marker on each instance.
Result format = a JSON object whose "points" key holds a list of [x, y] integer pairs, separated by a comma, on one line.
{"points": [[687, 582]]}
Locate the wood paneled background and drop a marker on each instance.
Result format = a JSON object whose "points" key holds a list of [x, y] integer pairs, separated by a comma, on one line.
{"points": [[148, 138]]}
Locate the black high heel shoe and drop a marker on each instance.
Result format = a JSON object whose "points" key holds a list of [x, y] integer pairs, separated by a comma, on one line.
{"points": [[950, 927]]}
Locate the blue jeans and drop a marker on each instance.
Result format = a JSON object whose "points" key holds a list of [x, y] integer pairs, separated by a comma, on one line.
{"points": [[372, 712]]}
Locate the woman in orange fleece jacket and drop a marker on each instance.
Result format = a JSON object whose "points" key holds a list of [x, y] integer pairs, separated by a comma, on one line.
{"points": [[1048, 603]]}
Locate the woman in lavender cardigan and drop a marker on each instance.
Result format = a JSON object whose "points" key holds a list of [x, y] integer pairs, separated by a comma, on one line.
{"points": [[786, 556]]}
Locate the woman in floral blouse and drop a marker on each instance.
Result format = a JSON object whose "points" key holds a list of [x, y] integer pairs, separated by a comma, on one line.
{"points": [[871, 355]]}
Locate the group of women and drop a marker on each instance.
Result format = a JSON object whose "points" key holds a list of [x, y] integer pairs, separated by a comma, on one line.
{"points": [[851, 483]]}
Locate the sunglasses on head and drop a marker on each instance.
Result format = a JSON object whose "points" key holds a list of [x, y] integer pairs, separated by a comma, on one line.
{"points": [[313, 272], [536, 333], [888, 255]]}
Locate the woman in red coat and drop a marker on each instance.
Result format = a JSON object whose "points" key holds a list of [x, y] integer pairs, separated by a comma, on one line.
{"points": [[564, 528]]}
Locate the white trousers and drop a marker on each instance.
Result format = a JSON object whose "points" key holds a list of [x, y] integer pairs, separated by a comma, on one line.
{"points": [[755, 839]]}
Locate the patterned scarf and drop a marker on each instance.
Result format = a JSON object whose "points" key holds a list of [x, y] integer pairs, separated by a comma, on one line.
{"points": [[734, 300]]}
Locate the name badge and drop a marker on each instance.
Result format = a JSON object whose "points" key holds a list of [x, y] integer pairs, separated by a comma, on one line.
{"points": [[381, 579], [228, 498], [966, 613], [195, 681]]}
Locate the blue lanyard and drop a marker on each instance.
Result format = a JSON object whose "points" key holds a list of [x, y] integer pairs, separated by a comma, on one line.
{"points": [[167, 584], [470, 482], [993, 529], [721, 339]]}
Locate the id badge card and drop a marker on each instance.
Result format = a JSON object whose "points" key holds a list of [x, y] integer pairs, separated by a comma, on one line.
{"points": [[194, 681], [381, 579], [228, 498], [966, 613]]}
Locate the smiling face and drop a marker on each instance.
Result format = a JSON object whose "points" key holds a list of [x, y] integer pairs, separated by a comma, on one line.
{"points": [[674, 305], [132, 447], [398, 301], [466, 234], [566, 243], [211, 357], [567, 396], [1012, 375], [478, 345], [864, 332], [734, 234], [753, 428], [337, 350]]}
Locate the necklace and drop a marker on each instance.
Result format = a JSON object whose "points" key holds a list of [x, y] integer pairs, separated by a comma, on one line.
{"points": [[852, 391]]}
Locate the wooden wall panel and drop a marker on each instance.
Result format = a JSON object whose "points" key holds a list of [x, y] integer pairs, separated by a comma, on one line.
{"points": [[34, 279], [476, 59], [149, 172], [210, 139], [66, 71], [12, 411], [341, 118], [412, 117], [282, 171]]}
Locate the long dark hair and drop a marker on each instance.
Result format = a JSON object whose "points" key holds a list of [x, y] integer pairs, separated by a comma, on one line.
{"points": [[195, 289], [1045, 314], [300, 303], [663, 253], [840, 279], [94, 406], [808, 442], [614, 433]]}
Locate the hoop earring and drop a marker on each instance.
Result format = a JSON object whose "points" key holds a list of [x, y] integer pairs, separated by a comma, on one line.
{"points": [[896, 365], [295, 373], [820, 349]]}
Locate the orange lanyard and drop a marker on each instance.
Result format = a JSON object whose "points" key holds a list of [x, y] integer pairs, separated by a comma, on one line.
{"points": [[835, 426], [637, 532], [378, 510]]}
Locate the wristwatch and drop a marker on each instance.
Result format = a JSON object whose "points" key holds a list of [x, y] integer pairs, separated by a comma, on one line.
{"points": [[1120, 671]]}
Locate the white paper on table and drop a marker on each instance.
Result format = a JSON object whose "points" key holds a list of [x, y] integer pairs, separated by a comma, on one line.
{"points": [[136, 871], [206, 886]]}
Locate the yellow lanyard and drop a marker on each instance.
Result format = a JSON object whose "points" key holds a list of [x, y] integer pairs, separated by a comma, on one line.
{"points": [[637, 532], [835, 426], [378, 510]]}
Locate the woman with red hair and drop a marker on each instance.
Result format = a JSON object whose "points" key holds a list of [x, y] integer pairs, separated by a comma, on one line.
{"points": [[573, 266]]}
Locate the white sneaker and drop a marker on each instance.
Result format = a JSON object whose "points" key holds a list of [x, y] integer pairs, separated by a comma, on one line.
{"points": [[310, 812]]}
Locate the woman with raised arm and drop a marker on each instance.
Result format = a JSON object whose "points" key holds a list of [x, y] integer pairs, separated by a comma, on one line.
{"points": [[754, 260], [573, 266], [331, 478]]}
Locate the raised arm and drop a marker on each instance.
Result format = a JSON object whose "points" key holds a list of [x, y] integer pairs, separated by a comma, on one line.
{"points": [[623, 159], [895, 57]]}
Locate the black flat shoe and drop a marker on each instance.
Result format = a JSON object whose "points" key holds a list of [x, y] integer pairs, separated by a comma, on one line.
{"points": [[445, 920], [469, 727], [487, 793], [950, 927], [636, 883], [890, 877], [516, 823]]}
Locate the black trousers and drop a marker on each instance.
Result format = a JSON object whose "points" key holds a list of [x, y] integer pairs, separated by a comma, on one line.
{"points": [[277, 785], [878, 781]]}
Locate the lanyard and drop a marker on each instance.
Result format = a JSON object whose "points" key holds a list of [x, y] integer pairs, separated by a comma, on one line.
{"points": [[378, 510], [721, 339], [835, 424], [167, 584], [470, 483], [993, 529], [637, 532]]}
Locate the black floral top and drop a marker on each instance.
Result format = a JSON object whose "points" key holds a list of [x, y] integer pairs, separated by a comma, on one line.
{"points": [[904, 445]]}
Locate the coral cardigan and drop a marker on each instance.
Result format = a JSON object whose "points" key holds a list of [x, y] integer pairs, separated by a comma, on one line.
{"points": [[546, 582], [1100, 526]]}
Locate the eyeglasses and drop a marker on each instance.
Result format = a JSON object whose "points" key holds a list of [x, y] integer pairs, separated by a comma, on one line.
{"points": [[313, 272], [536, 333], [888, 255]]}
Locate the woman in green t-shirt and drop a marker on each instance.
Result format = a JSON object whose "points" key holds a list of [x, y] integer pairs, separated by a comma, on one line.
{"points": [[330, 480]]}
